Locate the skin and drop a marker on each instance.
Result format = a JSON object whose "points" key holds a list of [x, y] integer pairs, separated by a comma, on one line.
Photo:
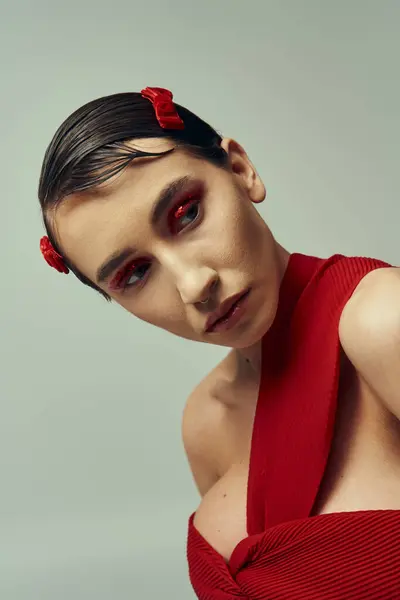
{"points": [[222, 248], [226, 250]]}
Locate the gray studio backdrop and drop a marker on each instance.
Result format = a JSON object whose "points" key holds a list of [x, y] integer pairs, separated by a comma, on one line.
{"points": [[95, 490]]}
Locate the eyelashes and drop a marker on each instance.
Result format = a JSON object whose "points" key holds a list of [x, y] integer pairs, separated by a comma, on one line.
{"points": [[137, 268], [182, 216]]}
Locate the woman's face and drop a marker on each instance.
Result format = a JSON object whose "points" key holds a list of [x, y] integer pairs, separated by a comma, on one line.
{"points": [[173, 237]]}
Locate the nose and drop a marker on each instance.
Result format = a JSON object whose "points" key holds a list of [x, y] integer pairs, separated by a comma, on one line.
{"points": [[196, 285]]}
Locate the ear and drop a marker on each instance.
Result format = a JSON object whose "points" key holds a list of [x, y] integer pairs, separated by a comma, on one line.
{"points": [[243, 169]]}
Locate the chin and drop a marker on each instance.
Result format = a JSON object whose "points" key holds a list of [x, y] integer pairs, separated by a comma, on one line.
{"points": [[246, 336], [247, 340], [254, 330], [250, 330]]}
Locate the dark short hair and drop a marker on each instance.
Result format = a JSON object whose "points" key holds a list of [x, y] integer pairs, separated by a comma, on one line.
{"points": [[91, 146]]}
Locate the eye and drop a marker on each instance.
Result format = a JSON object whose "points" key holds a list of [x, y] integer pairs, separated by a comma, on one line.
{"points": [[131, 275], [184, 214]]}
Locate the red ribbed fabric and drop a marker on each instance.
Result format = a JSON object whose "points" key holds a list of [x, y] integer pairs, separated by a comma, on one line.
{"points": [[289, 554]]}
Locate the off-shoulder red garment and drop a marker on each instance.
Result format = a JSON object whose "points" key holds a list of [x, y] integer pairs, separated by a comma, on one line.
{"points": [[290, 554]]}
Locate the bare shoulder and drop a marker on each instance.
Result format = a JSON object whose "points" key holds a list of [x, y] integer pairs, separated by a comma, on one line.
{"points": [[203, 418], [369, 333], [372, 315]]}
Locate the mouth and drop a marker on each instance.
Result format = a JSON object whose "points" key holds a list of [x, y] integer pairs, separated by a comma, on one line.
{"points": [[228, 314]]}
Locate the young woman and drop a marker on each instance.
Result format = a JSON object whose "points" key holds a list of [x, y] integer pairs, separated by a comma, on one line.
{"points": [[294, 438]]}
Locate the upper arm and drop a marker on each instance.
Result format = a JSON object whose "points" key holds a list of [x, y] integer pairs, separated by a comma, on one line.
{"points": [[369, 333], [198, 426]]}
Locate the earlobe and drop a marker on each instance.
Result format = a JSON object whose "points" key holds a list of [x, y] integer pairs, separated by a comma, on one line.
{"points": [[243, 168]]}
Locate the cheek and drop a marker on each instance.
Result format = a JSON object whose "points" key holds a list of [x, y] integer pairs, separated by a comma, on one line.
{"points": [[237, 237], [162, 309]]}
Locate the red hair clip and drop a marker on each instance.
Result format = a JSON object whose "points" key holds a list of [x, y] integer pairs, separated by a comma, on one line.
{"points": [[52, 257], [165, 110]]}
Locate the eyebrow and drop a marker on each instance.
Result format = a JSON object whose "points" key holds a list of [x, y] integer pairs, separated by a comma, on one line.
{"points": [[163, 201]]}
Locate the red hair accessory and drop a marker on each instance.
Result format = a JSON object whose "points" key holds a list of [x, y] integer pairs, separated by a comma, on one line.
{"points": [[165, 110], [52, 257]]}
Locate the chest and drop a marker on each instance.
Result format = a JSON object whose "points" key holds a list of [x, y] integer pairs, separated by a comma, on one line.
{"points": [[362, 472]]}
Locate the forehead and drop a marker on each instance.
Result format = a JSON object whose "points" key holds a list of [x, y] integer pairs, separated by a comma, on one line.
{"points": [[97, 217]]}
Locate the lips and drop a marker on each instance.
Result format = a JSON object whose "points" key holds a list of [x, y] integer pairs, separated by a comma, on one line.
{"points": [[224, 310]]}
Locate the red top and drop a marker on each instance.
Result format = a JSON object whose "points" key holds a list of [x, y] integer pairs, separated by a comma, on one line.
{"points": [[290, 555]]}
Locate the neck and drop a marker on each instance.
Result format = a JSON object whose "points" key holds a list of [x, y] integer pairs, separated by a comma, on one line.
{"points": [[249, 358]]}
